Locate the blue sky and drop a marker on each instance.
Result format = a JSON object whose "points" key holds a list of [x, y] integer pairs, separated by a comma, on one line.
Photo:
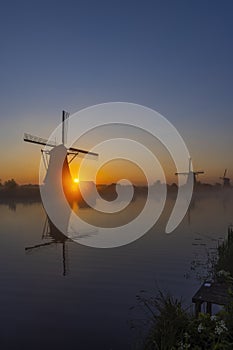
{"points": [[173, 56]]}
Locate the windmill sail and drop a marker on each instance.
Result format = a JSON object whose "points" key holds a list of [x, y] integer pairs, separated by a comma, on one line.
{"points": [[65, 118], [78, 150], [38, 140]]}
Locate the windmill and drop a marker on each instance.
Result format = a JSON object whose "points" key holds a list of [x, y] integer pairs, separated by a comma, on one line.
{"points": [[191, 175], [58, 152], [225, 180]]}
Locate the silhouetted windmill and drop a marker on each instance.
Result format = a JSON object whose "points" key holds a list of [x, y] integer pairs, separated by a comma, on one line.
{"points": [[226, 180], [192, 175], [57, 152]]}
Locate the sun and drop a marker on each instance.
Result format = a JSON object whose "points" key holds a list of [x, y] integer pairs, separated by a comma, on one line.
{"points": [[76, 180]]}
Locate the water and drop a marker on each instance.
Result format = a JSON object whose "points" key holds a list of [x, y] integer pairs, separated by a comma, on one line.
{"points": [[89, 306]]}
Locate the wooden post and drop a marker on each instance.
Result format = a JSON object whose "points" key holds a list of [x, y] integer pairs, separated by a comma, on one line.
{"points": [[197, 308], [209, 308]]}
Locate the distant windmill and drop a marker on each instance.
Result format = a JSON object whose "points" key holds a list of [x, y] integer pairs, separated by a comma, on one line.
{"points": [[226, 180], [58, 152], [192, 175]]}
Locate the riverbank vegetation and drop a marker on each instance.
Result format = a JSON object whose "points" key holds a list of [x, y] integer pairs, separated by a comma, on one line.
{"points": [[174, 327], [10, 190]]}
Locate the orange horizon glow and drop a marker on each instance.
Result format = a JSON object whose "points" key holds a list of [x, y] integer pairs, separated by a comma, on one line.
{"points": [[108, 178], [22, 161], [25, 169]]}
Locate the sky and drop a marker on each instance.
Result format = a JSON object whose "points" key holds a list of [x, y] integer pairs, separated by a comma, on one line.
{"points": [[173, 56]]}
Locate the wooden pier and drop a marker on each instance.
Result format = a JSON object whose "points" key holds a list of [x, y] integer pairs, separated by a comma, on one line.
{"points": [[210, 293]]}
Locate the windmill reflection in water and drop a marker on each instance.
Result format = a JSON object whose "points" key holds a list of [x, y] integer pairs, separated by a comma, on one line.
{"points": [[56, 237]]}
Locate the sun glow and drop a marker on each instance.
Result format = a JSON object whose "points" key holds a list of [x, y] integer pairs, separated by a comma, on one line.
{"points": [[76, 180]]}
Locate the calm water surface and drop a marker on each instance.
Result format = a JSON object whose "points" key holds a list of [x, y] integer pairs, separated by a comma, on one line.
{"points": [[61, 294]]}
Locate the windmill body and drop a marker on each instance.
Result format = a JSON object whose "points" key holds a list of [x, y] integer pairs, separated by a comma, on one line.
{"points": [[57, 157]]}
